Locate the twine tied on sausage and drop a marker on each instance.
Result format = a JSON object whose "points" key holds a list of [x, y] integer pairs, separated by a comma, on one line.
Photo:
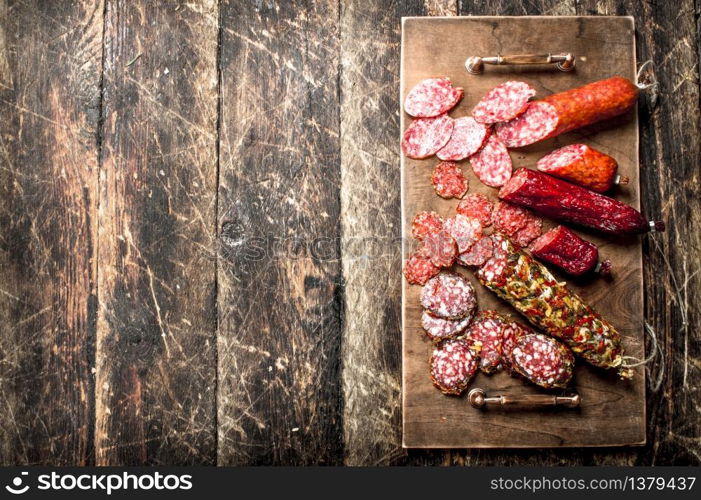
{"points": [[649, 84]]}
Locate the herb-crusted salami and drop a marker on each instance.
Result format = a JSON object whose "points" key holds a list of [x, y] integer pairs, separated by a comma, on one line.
{"points": [[418, 269], [492, 164], [487, 329], [542, 361], [425, 223], [480, 253], [504, 102], [426, 136], [449, 296], [464, 230], [448, 180], [453, 363], [478, 206], [432, 97], [467, 138], [440, 248], [439, 328]]}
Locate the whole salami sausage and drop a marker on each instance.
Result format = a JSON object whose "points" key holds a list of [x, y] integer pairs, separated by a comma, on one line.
{"points": [[567, 202], [528, 286], [566, 250], [569, 110], [582, 165]]}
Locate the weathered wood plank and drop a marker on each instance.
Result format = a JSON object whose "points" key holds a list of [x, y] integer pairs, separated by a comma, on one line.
{"points": [[279, 274], [50, 56], [156, 342], [670, 145]]}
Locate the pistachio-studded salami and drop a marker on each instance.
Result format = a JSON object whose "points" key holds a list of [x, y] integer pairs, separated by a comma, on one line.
{"points": [[464, 230], [448, 180], [426, 136], [488, 329], [440, 328], [440, 248], [432, 97], [449, 296], [425, 223], [503, 103], [478, 206], [467, 138], [453, 363], [480, 253], [492, 164], [542, 360], [418, 268], [549, 305]]}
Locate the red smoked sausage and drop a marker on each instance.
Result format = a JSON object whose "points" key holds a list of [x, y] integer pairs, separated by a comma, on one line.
{"points": [[583, 165], [569, 110], [566, 250], [567, 202]]}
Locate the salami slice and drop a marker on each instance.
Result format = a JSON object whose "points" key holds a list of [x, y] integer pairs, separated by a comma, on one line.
{"points": [[480, 253], [512, 334], [426, 136], [453, 364], [487, 329], [503, 103], [449, 296], [439, 328], [509, 218], [478, 206], [418, 269], [529, 232], [449, 181], [543, 361], [464, 230], [492, 164], [533, 125], [432, 97], [441, 248], [425, 223], [467, 138]]}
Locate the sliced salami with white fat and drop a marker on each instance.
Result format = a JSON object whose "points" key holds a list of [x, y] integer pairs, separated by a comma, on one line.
{"points": [[441, 248], [467, 138], [449, 296], [424, 223], [533, 125], [503, 103], [449, 181], [432, 97], [453, 363], [418, 269], [542, 360], [487, 329], [478, 206], [492, 164], [426, 136], [480, 253], [439, 328], [464, 230]]}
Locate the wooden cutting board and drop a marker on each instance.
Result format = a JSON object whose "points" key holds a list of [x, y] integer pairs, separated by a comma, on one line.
{"points": [[612, 411]]}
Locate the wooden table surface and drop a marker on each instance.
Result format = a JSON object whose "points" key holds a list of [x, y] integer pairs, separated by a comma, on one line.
{"points": [[200, 225]]}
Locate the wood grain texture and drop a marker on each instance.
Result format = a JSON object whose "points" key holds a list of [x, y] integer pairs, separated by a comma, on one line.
{"points": [[280, 285], [370, 34], [49, 101], [156, 343], [670, 159], [612, 412]]}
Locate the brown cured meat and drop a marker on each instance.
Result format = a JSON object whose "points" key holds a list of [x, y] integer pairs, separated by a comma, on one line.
{"points": [[453, 363], [569, 110], [439, 328], [426, 136], [440, 248], [542, 361], [492, 164], [584, 166], [432, 97], [468, 137], [480, 253], [464, 230], [567, 202], [448, 180], [425, 223], [503, 103], [449, 296], [488, 330], [566, 250], [549, 305], [477, 206], [418, 269]]}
